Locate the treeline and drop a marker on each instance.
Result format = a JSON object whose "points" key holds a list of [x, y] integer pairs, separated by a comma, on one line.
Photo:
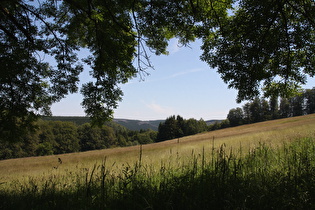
{"points": [[257, 110], [176, 127], [261, 109], [57, 137]]}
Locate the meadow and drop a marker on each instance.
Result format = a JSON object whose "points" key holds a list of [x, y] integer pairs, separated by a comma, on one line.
{"points": [[263, 165]]}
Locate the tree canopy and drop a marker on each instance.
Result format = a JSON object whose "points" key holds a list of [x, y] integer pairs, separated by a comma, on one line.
{"points": [[254, 45], [268, 44]]}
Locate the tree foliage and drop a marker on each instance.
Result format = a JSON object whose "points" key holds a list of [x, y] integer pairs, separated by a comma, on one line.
{"points": [[235, 116], [254, 45], [177, 127], [59, 137], [261, 109], [267, 44]]}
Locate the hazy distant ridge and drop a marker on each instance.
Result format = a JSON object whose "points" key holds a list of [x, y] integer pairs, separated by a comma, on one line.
{"points": [[134, 125], [139, 124]]}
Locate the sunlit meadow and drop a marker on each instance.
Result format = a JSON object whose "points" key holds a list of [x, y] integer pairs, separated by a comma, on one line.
{"points": [[263, 165]]}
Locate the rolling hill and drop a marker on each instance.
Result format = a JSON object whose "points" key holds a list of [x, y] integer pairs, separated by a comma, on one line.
{"points": [[134, 125], [265, 165], [138, 124], [273, 133]]}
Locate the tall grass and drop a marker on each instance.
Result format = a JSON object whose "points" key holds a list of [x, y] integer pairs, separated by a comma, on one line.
{"points": [[264, 177]]}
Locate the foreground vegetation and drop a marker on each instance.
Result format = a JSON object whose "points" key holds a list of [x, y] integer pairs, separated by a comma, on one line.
{"points": [[259, 166]]}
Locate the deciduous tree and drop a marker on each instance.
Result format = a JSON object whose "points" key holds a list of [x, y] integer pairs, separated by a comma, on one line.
{"points": [[310, 100], [266, 44], [254, 45], [236, 116]]}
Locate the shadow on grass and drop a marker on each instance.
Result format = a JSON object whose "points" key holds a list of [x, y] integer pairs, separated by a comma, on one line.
{"points": [[263, 178]]}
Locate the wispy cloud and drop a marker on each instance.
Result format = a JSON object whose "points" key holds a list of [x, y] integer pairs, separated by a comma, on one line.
{"points": [[186, 72], [178, 74], [173, 47], [160, 109]]}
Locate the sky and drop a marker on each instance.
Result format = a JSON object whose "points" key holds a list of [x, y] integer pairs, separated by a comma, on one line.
{"points": [[180, 84]]}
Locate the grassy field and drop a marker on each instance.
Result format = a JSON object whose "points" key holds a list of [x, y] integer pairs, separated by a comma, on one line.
{"points": [[241, 167]]}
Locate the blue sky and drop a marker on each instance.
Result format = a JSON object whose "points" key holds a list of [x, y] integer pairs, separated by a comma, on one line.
{"points": [[180, 84]]}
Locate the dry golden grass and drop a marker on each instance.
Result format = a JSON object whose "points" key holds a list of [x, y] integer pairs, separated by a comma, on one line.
{"points": [[273, 133]]}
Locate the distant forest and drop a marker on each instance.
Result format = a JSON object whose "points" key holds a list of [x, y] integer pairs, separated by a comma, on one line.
{"points": [[60, 135]]}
